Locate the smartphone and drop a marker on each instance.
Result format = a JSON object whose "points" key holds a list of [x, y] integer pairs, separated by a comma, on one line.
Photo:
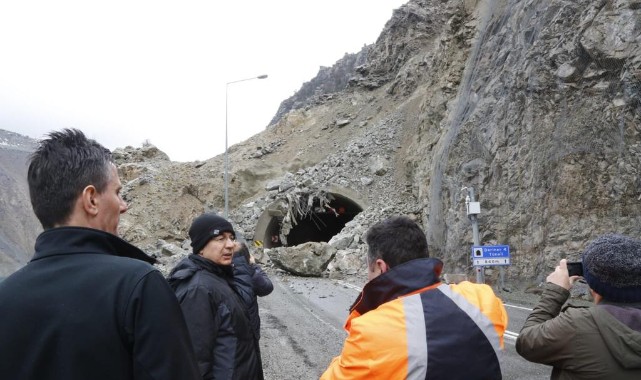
{"points": [[575, 268]]}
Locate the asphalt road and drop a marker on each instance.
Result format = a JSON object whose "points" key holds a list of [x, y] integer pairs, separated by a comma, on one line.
{"points": [[302, 330]]}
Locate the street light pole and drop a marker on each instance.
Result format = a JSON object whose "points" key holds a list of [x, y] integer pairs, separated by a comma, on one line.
{"points": [[226, 154]]}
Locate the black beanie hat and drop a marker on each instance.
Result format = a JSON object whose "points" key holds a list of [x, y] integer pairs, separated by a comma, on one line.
{"points": [[612, 268], [206, 227]]}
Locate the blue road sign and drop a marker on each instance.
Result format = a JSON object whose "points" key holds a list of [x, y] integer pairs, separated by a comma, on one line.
{"points": [[488, 255]]}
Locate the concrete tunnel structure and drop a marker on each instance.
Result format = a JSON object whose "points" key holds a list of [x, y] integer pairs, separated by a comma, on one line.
{"points": [[319, 226]]}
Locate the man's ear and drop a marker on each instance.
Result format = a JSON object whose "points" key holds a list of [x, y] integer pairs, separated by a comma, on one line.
{"points": [[89, 200], [596, 296], [382, 265]]}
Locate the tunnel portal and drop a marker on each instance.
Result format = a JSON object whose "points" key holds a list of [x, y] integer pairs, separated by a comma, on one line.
{"points": [[319, 225]]}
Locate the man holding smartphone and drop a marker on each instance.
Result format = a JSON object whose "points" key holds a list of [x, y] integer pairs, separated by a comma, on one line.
{"points": [[597, 342]]}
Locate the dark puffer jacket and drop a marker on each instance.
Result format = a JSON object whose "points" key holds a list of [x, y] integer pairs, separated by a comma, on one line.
{"points": [[251, 282], [218, 321]]}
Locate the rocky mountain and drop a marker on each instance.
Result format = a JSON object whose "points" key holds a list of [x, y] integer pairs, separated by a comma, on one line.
{"points": [[533, 105], [328, 81], [19, 225]]}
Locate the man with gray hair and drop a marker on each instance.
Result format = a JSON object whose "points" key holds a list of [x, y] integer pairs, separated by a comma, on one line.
{"points": [[602, 341]]}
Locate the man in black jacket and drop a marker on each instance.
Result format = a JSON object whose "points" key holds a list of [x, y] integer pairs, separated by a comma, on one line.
{"points": [[88, 305], [217, 318]]}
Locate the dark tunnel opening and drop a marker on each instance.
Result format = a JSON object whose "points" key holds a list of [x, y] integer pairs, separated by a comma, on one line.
{"points": [[318, 226]]}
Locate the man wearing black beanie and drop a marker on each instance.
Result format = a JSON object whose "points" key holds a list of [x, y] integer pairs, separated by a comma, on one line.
{"points": [[598, 342], [218, 322]]}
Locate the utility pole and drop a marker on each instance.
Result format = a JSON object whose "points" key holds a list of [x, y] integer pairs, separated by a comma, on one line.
{"points": [[473, 209]]}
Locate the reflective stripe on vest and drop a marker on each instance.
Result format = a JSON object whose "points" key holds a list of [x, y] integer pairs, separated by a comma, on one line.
{"points": [[416, 344], [481, 320]]}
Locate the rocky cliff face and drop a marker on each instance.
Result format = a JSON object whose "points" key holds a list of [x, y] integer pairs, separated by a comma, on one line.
{"points": [[534, 105], [19, 226], [545, 124]]}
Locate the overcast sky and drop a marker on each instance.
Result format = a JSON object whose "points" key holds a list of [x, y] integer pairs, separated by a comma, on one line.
{"points": [[129, 71]]}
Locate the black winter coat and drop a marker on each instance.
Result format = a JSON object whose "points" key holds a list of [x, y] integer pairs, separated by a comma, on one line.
{"points": [[251, 282], [85, 308], [217, 319]]}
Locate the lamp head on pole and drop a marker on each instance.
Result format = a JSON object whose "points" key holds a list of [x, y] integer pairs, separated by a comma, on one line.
{"points": [[246, 79]]}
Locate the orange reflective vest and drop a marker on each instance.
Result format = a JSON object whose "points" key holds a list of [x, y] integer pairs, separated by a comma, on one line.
{"points": [[408, 325]]}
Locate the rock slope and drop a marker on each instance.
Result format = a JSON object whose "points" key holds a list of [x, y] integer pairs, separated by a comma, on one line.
{"points": [[534, 105]]}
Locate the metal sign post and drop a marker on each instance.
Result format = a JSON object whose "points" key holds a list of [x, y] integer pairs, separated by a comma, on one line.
{"points": [[474, 208]]}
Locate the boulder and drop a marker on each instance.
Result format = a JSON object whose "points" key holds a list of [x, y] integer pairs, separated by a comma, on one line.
{"points": [[308, 260], [347, 262]]}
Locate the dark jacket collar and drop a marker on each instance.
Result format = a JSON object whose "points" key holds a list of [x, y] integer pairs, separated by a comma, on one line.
{"points": [[193, 263], [210, 266], [72, 240], [398, 281]]}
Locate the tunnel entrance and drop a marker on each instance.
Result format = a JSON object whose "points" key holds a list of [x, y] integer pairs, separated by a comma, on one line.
{"points": [[322, 220]]}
